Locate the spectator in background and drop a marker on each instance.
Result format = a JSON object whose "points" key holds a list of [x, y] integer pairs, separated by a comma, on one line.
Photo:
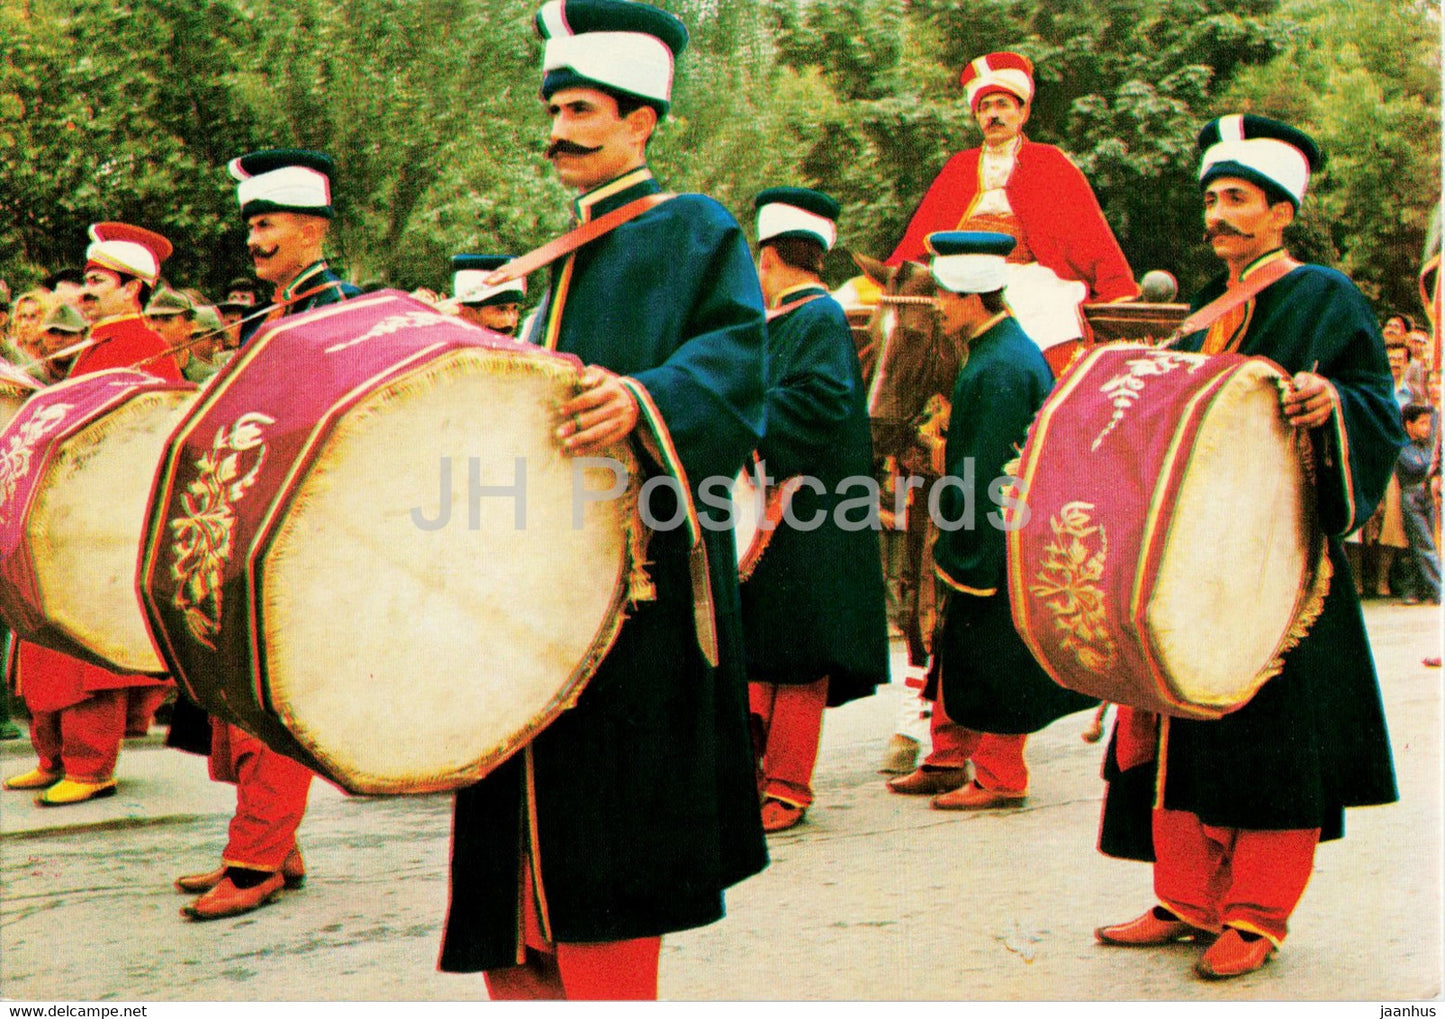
{"points": [[238, 310], [1395, 328], [208, 336], [1412, 471], [1418, 343], [66, 285], [63, 327], [23, 342]]}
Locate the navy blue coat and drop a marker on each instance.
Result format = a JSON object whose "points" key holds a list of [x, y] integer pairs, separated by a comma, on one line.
{"points": [[1313, 740], [814, 605], [990, 682], [640, 802]]}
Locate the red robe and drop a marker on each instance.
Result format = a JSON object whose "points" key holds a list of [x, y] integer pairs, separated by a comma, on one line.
{"points": [[50, 680], [1056, 209]]}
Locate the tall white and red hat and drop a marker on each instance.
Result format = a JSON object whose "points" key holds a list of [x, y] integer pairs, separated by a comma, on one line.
{"points": [[283, 180], [1269, 153], [619, 46], [998, 72], [128, 250]]}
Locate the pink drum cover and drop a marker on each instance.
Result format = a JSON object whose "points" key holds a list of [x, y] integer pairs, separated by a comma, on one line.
{"points": [[27, 447], [1101, 472], [233, 465]]}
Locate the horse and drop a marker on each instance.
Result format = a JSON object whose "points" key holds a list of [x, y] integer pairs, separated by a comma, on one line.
{"points": [[909, 367]]}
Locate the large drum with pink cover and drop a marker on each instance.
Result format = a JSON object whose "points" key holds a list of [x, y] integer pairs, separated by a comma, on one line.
{"points": [[1170, 556], [367, 548], [15, 388], [76, 468]]}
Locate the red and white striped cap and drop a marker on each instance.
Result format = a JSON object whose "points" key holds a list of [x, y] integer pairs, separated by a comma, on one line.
{"points": [[998, 72], [129, 250]]}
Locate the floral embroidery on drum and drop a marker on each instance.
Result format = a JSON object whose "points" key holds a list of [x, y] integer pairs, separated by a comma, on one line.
{"points": [[15, 460], [1070, 576], [202, 543], [1123, 390]]}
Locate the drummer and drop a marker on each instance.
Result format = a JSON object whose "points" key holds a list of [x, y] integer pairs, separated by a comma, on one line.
{"points": [[1246, 798], [80, 711], [988, 691], [813, 610], [629, 816], [285, 199], [498, 307]]}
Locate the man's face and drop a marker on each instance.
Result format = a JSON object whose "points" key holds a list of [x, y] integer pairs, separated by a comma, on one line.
{"points": [[1399, 359], [232, 318], [590, 144], [1394, 328], [1000, 116], [29, 313], [1419, 344], [1419, 429], [174, 329], [956, 311], [281, 244], [502, 318], [247, 297], [1239, 223], [104, 296], [51, 340]]}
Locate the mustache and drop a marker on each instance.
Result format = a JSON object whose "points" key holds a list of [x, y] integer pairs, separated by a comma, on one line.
{"points": [[256, 251], [566, 148], [1223, 229], [994, 122]]}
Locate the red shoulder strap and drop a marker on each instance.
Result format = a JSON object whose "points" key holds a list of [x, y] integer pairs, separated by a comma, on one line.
{"points": [[779, 312], [525, 265], [1231, 299]]}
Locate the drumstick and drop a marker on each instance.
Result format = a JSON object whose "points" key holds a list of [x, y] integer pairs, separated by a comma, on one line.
{"points": [[1095, 731]]}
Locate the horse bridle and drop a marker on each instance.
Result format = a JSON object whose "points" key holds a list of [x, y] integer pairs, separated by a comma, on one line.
{"points": [[904, 299]]}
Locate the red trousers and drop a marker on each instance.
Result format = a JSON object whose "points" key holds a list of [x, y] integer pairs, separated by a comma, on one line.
{"points": [[83, 740], [789, 723], [271, 792], [1246, 879], [998, 761], [594, 971]]}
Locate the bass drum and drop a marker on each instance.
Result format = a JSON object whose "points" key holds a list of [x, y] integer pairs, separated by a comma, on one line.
{"points": [[367, 548], [1170, 555], [76, 469]]}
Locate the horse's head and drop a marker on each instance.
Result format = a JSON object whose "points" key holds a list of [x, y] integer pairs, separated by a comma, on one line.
{"points": [[914, 360]]}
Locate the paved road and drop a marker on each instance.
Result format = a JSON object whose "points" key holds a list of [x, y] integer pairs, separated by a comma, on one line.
{"points": [[875, 897]]}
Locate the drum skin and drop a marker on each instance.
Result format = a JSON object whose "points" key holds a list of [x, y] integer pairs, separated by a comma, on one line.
{"points": [[1170, 555], [325, 567], [76, 469]]}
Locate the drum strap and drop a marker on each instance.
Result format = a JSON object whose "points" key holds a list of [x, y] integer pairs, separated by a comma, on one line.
{"points": [[525, 265], [1234, 297]]}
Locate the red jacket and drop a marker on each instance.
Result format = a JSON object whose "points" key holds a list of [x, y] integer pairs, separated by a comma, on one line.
{"points": [[1056, 210], [122, 343], [50, 680]]}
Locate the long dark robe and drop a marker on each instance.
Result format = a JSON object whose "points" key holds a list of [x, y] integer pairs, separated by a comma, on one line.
{"points": [[814, 606], [1313, 740], [990, 681], [639, 804]]}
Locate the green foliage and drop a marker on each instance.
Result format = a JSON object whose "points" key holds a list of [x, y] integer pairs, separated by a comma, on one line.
{"points": [[131, 111]]}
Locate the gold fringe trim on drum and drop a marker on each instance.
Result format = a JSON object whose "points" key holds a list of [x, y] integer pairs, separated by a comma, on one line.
{"points": [[1311, 607], [640, 587]]}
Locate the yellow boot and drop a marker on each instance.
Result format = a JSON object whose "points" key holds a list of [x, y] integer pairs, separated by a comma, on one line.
{"points": [[36, 778], [68, 791]]}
